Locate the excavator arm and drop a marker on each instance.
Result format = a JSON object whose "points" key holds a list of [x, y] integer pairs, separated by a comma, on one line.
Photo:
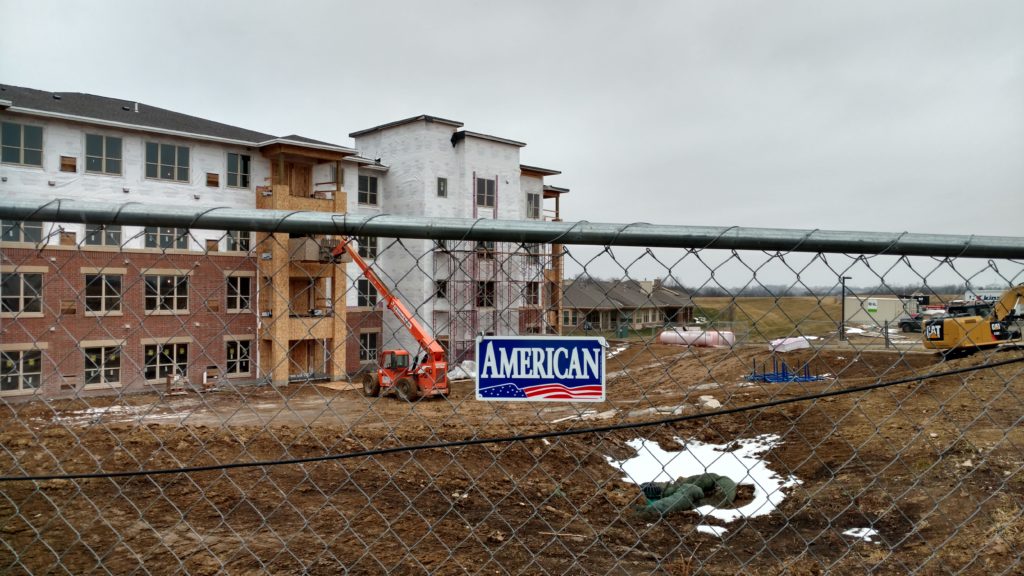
{"points": [[963, 335], [1010, 305], [405, 316]]}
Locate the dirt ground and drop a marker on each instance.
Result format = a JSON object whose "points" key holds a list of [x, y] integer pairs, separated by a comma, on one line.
{"points": [[932, 465]]}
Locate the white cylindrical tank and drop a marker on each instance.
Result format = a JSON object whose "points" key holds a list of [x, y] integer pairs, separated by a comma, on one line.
{"points": [[710, 338]]}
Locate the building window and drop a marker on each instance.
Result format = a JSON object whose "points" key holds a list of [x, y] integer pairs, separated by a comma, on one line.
{"points": [[485, 294], [366, 294], [533, 252], [21, 292], [238, 170], [533, 206], [485, 249], [239, 240], [21, 232], [102, 235], [102, 154], [368, 190], [333, 176], [442, 187], [164, 359], [20, 370], [368, 246], [239, 357], [485, 192], [441, 288], [102, 365], [239, 293], [166, 293], [164, 238], [532, 294], [368, 346], [22, 144], [68, 164], [167, 162], [103, 293]]}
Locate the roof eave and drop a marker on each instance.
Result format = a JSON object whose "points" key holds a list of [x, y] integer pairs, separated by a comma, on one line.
{"points": [[330, 148], [129, 126], [169, 132], [422, 117], [538, 170], [463, 134]]}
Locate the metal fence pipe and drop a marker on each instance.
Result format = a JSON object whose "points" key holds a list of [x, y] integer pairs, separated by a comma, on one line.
{"points": [[638, 234]]}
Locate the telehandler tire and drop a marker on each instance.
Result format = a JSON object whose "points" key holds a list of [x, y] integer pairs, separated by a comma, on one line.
{"points": [[407, 390], [371, 387]]}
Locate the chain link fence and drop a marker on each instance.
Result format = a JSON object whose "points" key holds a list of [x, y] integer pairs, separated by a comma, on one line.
{"points": [[187, 391]]}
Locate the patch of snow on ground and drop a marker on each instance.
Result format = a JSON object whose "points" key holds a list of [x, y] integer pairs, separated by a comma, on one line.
{"points": [[117, 414], [463, 371], [652, 464], [713, 530], [865, 534], [615, 351]]}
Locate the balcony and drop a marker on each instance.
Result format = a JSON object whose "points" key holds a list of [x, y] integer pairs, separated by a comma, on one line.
{"points": [[303, 250]]}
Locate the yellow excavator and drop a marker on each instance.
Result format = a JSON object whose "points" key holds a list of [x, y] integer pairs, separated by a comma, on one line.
{"points": [[955, 335]]}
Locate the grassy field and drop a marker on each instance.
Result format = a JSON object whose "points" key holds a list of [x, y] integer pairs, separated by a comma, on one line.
{"points": [[765, 318]]}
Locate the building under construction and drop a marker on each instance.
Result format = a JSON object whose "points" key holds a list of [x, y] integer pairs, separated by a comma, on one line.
{"points": [[139, 304]]}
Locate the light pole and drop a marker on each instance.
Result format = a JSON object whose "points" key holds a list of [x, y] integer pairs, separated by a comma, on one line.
{"points": [[842, 307]]}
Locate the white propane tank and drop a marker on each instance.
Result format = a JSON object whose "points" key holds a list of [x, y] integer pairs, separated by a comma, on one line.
{"points": [[708, 338]]}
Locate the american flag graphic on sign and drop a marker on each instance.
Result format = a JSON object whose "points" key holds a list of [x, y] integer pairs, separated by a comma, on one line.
{"points": [[540, 368]]}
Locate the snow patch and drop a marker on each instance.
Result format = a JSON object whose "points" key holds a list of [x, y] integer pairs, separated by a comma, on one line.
{"points": [[738, 461], [615, 351], [464, 371], [865, 534], [713, 530], [118, 414]]}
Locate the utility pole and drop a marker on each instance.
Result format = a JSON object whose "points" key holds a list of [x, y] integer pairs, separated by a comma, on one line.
{"points": [[842, 307]]}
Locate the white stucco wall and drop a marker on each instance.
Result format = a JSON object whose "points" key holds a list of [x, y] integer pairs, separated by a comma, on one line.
{"points": [[61, 138], [416, 155]]}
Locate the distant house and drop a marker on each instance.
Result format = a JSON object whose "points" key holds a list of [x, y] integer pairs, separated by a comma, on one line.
{"points": [[606, 305]]}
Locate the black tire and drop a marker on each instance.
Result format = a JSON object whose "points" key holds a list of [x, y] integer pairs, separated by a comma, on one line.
{"points": [[371, 387], [407, 390]]}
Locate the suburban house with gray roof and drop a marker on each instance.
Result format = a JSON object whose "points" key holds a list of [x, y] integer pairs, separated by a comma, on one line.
{"points": [[589, 304]]}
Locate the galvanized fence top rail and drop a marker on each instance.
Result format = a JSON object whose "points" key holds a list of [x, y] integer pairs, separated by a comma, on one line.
{"points": [[605, 234]]}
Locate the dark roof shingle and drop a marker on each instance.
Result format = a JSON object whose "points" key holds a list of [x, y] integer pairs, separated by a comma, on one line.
{"points": [[135, 114]]}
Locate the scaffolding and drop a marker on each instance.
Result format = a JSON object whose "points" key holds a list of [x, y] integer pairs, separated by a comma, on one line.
{"points": [[488, 288]]}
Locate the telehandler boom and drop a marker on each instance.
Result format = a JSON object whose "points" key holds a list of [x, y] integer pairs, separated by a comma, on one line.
{"points": [[396, 369]]}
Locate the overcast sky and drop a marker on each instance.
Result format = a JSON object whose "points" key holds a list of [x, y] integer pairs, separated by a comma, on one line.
{"points": [[895, 115]]}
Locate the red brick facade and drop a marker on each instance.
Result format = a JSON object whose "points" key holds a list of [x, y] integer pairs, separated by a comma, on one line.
{"points": [[361, 321], [65, 323], [65, 329]]}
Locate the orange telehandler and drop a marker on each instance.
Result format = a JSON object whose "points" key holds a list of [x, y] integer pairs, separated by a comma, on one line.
{"points": [[397, 369], [959, 335]]}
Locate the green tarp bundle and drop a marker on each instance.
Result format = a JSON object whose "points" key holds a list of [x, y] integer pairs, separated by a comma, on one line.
{"points": [[686, 494]]}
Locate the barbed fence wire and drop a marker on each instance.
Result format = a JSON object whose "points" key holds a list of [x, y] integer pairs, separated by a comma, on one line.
{"points": [[184, 390]]}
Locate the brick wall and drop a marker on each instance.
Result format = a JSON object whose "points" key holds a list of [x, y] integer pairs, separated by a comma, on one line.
{"points": [[64, 323], [359, 321]]}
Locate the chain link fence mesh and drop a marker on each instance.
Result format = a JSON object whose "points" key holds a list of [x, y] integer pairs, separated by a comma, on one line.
{"points": [[184, 400]]}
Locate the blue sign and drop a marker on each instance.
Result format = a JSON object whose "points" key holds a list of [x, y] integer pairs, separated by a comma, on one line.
{"points": [[540, 368]]}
